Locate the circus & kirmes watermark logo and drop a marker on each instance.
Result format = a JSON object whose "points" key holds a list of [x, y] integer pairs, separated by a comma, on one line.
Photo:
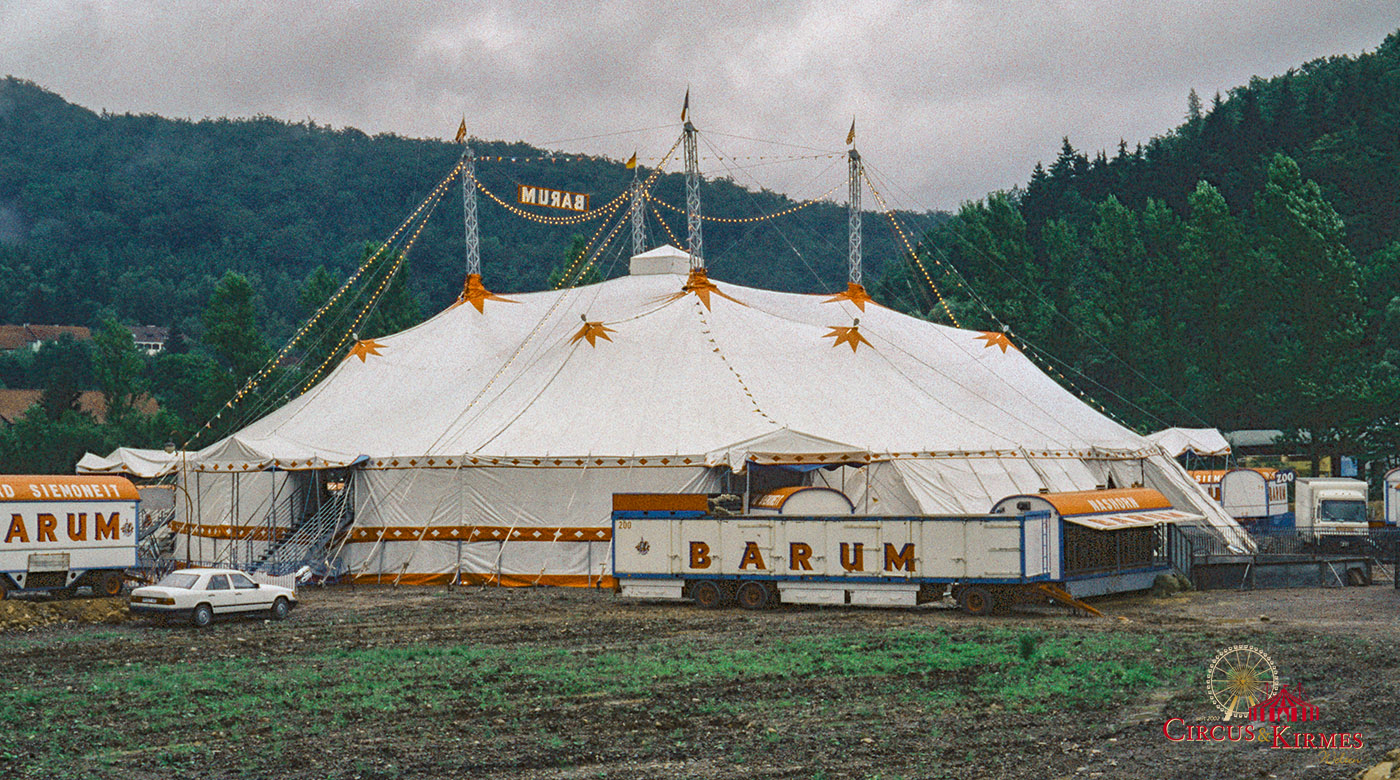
{"points": [[1243, 683]]}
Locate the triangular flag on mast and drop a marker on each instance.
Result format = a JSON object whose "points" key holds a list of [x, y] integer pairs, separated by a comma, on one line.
{"points": [[632, 163], [685, 109], [462, 131], [851, 136]]}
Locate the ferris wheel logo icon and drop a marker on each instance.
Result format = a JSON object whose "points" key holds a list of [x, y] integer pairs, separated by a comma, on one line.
{"points": [[1238, 678]]}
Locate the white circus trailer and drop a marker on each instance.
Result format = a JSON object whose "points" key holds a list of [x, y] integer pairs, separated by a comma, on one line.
{"points": [[1392, 498], [679, 546], [1252, 496], [64, 532]]}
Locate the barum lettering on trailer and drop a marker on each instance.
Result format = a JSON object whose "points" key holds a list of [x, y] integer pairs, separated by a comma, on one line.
{"points": [[48, 542], [800, 556], [904, 559], [699, 555], [986, 562], [752, 557], [853, 556], [17, 530], [105, 528], [47, 524]]}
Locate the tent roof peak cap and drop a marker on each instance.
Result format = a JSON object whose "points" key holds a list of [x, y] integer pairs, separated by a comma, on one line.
{"points": [[665, 259]]}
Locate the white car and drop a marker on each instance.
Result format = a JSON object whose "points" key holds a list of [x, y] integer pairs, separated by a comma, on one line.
{"points": [[202, 594]]}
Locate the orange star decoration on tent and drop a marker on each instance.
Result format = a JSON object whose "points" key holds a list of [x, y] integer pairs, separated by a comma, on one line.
{"points": [[477, 295], [699, 283], [854, 293], [848, 335], [995, 339], [365, 348], [592, 331]]}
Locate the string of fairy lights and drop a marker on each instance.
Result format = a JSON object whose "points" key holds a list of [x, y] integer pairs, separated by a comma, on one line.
{"points": [[572, 219], [750, 220], [645, 185], [674, 241], [256, 380], [353, 330], [1041, 358], [909, 246], [579, 265]]}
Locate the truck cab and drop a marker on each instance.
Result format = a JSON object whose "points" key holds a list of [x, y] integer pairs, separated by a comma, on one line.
{"points": [[1330, 505]]}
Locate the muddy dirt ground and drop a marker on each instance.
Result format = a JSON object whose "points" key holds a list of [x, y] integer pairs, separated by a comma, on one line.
{"points": [[1340, 644]]}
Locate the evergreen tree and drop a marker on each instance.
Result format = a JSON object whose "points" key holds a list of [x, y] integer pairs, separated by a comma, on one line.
{"points": [[116, 366]]}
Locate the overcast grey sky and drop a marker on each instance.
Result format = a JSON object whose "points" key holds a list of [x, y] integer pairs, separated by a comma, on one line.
{"points": [[953, 98]]}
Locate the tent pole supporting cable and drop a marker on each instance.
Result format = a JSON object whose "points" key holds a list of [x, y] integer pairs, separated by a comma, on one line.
{"points": [[853, 219], [692, 200], [469, 218]]}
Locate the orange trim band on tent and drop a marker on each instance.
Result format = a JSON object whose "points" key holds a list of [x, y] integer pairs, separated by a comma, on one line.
{"points": [[240, 532], [66, 487], [480, 533], [476, 578]]}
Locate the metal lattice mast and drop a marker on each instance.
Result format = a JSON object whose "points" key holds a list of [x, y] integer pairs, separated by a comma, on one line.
{"points": [[692, 199], [639, 238], [469, 219], [853, 223]]}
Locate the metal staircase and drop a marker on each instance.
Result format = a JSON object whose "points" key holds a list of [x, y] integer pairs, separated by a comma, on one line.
{"points": [[308, 538]]}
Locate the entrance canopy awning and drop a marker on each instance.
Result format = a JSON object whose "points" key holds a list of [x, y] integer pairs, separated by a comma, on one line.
{"points": [[1112, 521]]}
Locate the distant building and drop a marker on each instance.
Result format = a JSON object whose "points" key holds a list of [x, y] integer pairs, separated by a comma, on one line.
{"points": [[13, 337], [15, 403], [150, 338]]}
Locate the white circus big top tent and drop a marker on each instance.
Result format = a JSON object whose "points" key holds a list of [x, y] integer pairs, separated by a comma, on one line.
{"points": [[488, 440]]}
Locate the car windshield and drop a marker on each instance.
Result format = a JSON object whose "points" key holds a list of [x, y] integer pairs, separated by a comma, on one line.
{"points": [[1344, 511], [178, 580]]}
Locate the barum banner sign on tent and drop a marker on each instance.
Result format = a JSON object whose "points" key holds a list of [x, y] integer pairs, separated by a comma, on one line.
{"points": [[555, 199]]}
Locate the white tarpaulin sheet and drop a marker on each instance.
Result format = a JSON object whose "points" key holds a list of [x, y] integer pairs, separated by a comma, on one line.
{"points": [[144, 464], [1201, 441]]}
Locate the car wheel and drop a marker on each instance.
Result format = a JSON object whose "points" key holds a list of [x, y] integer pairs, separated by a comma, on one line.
{"points": [[108, 583], [281, 608], [202, 616]]}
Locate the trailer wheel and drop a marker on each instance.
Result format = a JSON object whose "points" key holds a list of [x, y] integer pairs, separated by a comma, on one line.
{"points": [[202, 616], [753, 595], [707, 594], [976, 600], [4, 587], [1357, 578], [108, 583]]}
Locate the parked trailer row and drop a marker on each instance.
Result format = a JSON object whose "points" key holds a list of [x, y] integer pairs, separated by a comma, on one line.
{"points": [[63, 532], [1027, 548]]}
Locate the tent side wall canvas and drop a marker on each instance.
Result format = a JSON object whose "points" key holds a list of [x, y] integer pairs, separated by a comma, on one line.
{"points": [[488, 443]]}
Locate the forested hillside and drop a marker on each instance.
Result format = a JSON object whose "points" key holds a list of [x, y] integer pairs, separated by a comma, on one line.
{"points": [[144, 214], [1239, 271]]}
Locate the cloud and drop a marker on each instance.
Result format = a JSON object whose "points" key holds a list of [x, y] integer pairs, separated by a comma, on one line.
{"points": [[954, 98]]}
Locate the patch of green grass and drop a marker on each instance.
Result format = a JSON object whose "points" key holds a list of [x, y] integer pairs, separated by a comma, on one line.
{"points": [[325, 690]]}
